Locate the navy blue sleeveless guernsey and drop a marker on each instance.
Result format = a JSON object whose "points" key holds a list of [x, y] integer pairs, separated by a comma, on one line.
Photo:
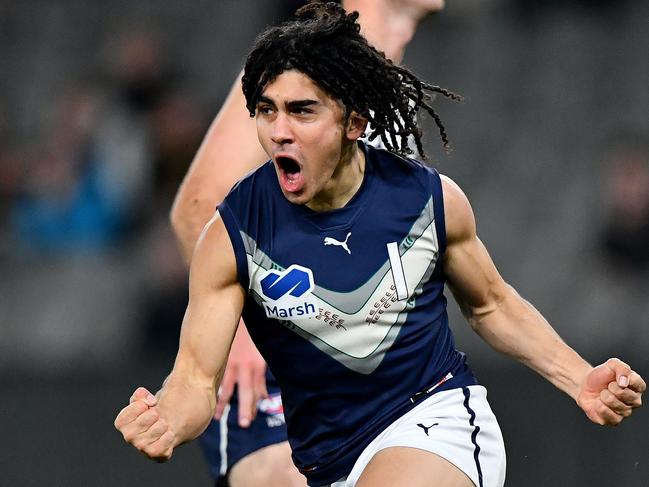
{"points": [[347, 306]]}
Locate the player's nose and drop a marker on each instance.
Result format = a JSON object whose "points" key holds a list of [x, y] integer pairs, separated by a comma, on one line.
{"points": [[281, 132]]}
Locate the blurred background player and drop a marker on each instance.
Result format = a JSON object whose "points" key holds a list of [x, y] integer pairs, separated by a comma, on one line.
{"points": [[625, 234], [247, 439]]}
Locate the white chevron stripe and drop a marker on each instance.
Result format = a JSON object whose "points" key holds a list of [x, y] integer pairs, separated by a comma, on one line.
{"points": [[362, 334]]}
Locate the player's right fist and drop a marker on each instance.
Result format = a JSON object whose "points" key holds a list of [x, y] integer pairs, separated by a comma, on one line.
{"points": [[141, 425]]}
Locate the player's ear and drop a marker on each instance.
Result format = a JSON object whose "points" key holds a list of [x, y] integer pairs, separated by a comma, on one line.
{"points": [[355, 126]]}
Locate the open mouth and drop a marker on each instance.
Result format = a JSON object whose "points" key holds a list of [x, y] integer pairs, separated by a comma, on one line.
{"points": [[290, 173], [287, 165]]}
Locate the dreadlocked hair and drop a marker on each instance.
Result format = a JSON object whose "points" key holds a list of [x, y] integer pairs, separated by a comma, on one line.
{"points": [[324, 43]]}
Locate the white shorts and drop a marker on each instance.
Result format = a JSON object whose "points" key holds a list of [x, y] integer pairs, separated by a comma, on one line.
{"points": [[457, 425]]}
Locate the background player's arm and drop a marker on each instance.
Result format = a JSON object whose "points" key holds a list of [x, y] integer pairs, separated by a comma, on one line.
{"points": [[513, 326], [228, 152], [389, 25], [186, 402]]}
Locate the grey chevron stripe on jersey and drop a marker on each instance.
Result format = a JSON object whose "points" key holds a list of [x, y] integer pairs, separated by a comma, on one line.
{"points": [[365, 364], [357, 328], [348, 302]]}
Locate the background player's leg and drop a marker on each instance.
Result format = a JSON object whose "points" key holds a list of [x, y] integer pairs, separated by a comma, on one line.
{"points": [[270, 466], [411, 467]]}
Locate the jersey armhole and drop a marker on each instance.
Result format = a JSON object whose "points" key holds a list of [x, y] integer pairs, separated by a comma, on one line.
{"points": [[233, 228], [438, 209]]}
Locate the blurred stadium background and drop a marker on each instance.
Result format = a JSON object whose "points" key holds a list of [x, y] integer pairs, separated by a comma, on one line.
{"points": [[103, 104]]}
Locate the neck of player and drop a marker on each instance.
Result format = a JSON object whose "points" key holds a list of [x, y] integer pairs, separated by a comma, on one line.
{"points": [[344, 182]]}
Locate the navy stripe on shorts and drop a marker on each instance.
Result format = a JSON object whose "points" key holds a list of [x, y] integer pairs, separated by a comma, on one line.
{"points": [[474, 435]]}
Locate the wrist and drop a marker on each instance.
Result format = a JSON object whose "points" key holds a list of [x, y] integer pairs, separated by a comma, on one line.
{"points": [[579, 382]]}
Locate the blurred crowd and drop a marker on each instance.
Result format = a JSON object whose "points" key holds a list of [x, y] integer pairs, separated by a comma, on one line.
{"points": [[110, 159], [93, 192]]}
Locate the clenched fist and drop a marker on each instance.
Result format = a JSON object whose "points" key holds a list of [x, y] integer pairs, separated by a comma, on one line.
{"points": [[610, 392], [141, 425]]}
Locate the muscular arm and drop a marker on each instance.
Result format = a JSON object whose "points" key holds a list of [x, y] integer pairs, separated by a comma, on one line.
{"points": [[183, 407], [186, 402], [187, 399], [511, 325]]}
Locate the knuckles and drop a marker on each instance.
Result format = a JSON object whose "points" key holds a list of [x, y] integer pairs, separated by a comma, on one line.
{"points": [[614, 421], [140, 444], [616, 362], [165, 456], [129, 437], [157, 453]]}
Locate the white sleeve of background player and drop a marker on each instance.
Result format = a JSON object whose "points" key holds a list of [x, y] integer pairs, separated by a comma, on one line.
{"points": [[377, 143]]}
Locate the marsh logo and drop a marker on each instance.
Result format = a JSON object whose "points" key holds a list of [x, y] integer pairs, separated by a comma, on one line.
{"points": [[289, 293]]}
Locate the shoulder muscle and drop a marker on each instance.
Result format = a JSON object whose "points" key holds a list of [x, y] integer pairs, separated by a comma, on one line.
{"points": [[458, 214], [213, 263]]}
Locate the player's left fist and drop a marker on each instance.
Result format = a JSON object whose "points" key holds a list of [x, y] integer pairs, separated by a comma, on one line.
{"points": [[610, 392]]}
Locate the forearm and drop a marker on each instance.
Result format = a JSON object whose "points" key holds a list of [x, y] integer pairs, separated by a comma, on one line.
{"points": [[606, 393], [389, 25], [514, 327]]}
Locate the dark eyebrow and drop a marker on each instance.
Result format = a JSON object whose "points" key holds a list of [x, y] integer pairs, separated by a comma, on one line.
{"points": [[292, 105]]}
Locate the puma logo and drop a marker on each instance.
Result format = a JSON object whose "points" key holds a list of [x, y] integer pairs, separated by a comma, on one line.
{"points": [[426, 428], [333, 241]]}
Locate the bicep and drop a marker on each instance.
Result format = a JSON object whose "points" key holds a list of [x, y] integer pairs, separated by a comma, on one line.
{"points": [[215, 303], [471, 273], [473, 278]]}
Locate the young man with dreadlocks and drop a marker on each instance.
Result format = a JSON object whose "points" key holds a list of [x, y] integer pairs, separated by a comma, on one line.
{"points": [[245, 444], [337, 254]]}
